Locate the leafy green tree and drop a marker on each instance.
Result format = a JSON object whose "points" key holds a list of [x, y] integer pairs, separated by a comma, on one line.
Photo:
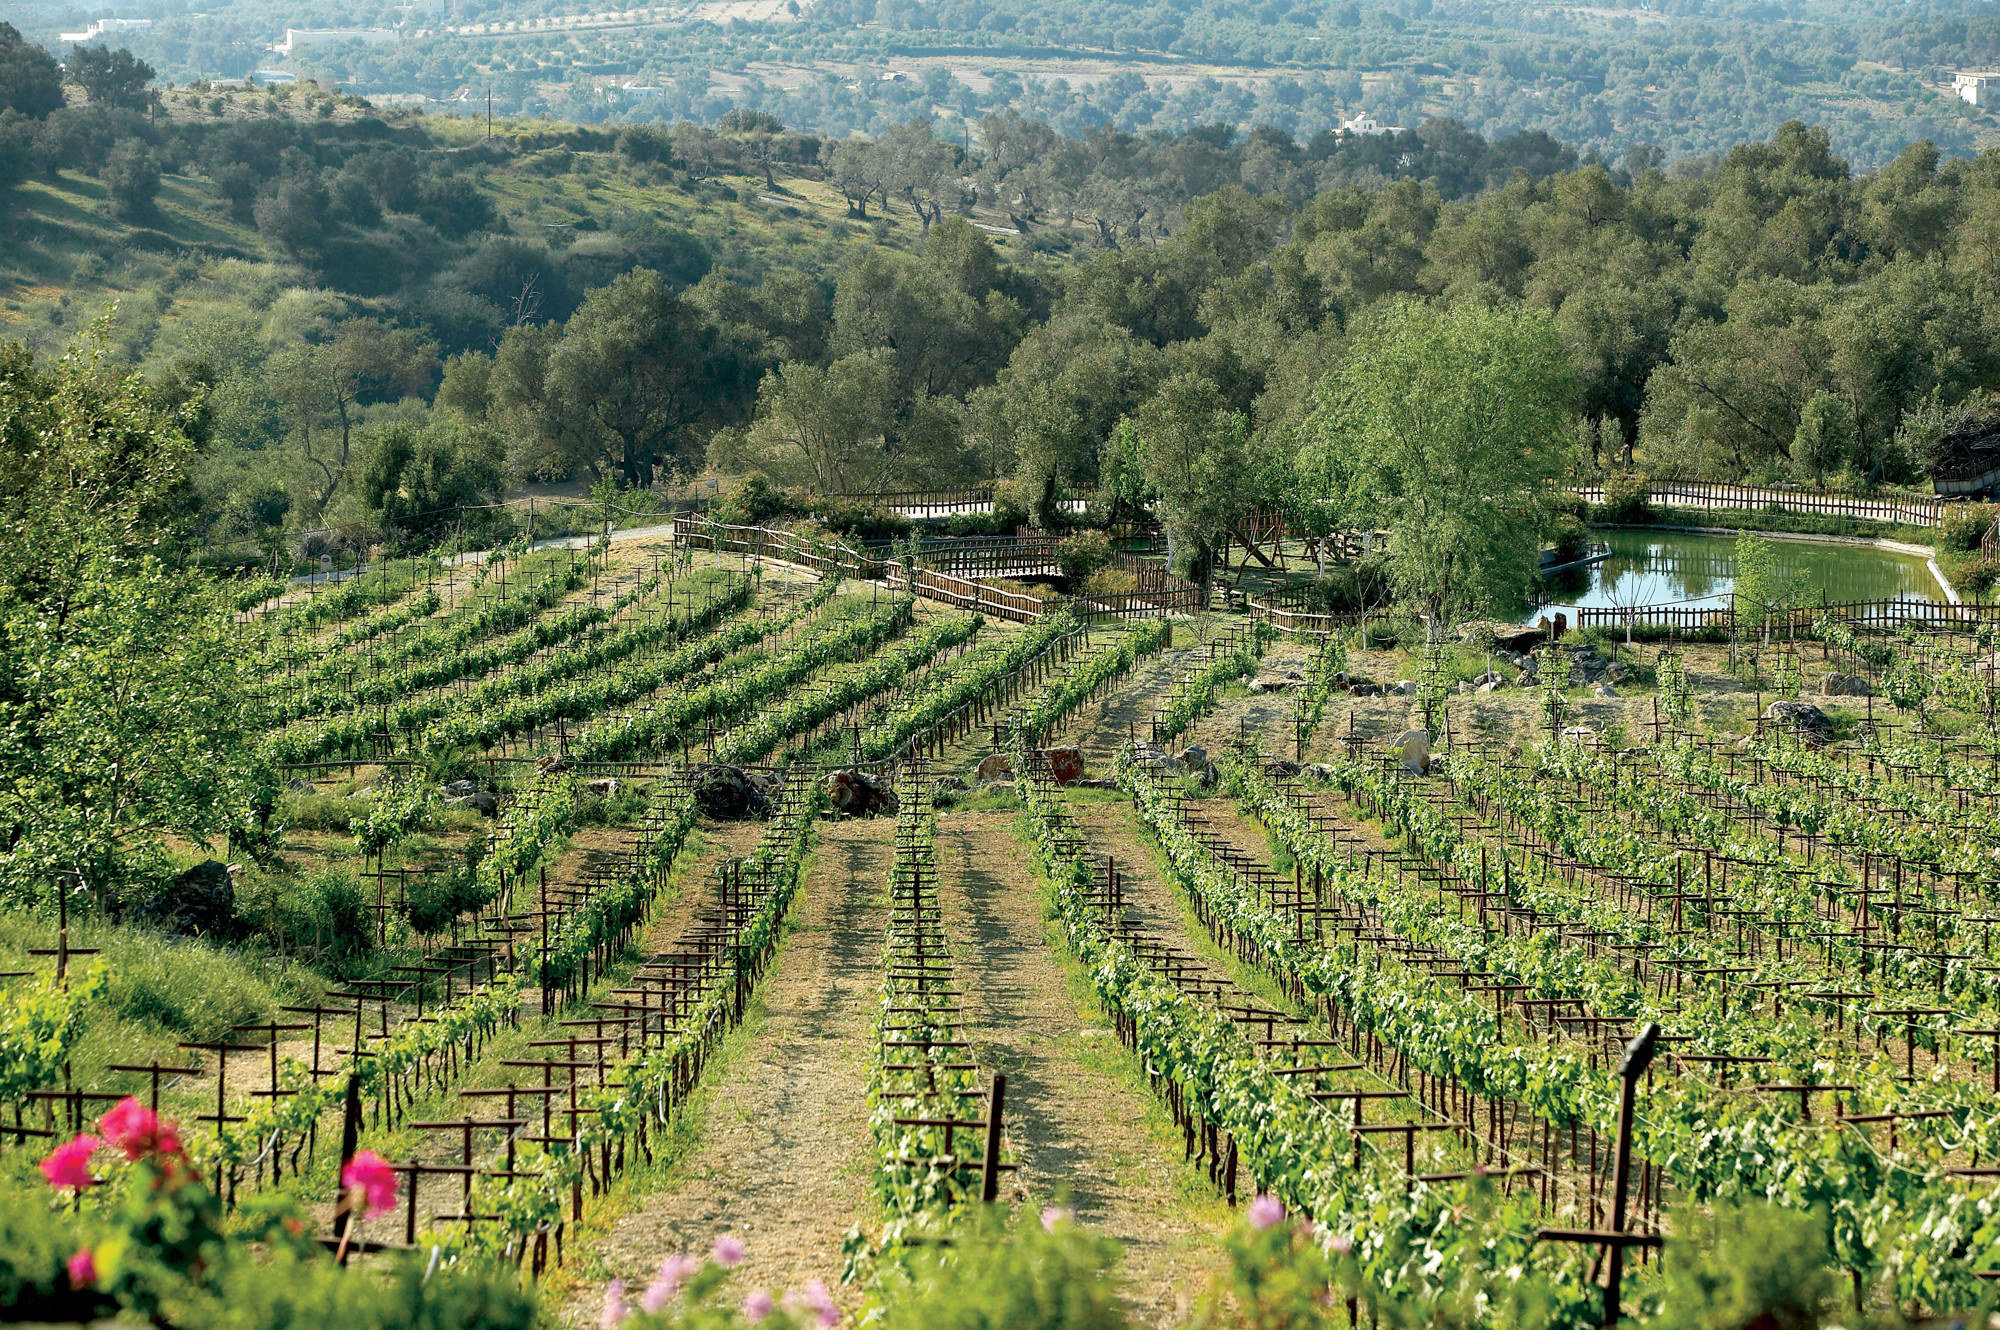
{"points": [[323, 386], [918, 169], [1451, 428], [414, 477], [1194, 452], [624, 386], [1728, 403], [1826, 437], [30, 78], [1762, 595], [946, 341], [827, 427], [111, 78], [124, 712], [131, 179], [1057, 401], [857, 168]]}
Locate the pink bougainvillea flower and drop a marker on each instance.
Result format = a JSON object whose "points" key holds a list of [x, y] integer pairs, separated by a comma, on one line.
{"points": [[815, 1296], [673, 1272], [83, 1269], [69, 1165], [1056, 1214], [728, 1250], [615, 1310], [757, 1306], [1340, 1245], [1265, 1211], [138, 1131], [371, 1175]]}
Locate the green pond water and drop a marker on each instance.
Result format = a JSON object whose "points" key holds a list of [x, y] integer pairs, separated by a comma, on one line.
{"points": [[1669, 567]]}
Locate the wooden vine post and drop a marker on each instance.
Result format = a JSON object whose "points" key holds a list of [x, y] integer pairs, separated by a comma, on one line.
{"points": [[989, 1167], [1614, 1239]]}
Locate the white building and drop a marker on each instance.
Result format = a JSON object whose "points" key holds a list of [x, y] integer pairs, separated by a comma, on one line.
{"points": [[1364, 123], [297, 37], [107, 25], [1979, 89]]}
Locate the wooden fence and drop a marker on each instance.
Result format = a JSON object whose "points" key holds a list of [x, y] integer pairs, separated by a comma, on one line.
{"points": [[1875, 614], [968, 594], [1157, 593], [1908, 509], [1303, 621], [927, 503]]}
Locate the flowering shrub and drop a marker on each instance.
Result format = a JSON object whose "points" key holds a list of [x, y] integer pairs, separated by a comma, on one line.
{"points": [[994, 1273], [142, 1232], [694, 1294], [371, 1176]]}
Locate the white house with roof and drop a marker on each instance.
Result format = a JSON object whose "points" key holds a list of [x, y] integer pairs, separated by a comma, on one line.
{"points": [[1364, 123], [105, 26], [1979, 89]]}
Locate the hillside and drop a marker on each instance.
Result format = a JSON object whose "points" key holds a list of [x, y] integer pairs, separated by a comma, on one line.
{"points": [[1685, 78]]}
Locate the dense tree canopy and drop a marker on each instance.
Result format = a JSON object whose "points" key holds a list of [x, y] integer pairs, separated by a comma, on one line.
{"points": [[1449, 428]]}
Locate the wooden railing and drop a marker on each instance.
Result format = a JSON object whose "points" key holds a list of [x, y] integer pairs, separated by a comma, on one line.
{"points": [[1304, 621], [927, 503], [1908, 509], [1881, 614], [1157, 594]]}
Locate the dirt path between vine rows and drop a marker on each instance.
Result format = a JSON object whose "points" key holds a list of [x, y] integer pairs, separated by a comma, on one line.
{"points": [[784, 1156], [1079, 1117]]}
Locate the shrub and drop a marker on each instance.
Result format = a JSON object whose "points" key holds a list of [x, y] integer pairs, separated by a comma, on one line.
{"points": [[1965, 524], [131, 179], [1033, 1276], [35, 1244], [295, 1292], [1568, 538], [1081, 555], [1628, 497], [1350, 587], [752, 503], [1979, 574]]}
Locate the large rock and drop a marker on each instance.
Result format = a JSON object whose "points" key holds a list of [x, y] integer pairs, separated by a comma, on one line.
{"points": [[727, 794], [602, 788], [1808, 721], [198, 902], [995, 766], [484, 802], [1415, 746], [1364, 690], [1065, 765], [553, 765], [858, 794], [459, 789], [1845, 685], [1405, 687]]}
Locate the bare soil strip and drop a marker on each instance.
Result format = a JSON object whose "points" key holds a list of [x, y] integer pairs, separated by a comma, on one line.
{"points": [[1079, 1117], [784, 1155]]}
